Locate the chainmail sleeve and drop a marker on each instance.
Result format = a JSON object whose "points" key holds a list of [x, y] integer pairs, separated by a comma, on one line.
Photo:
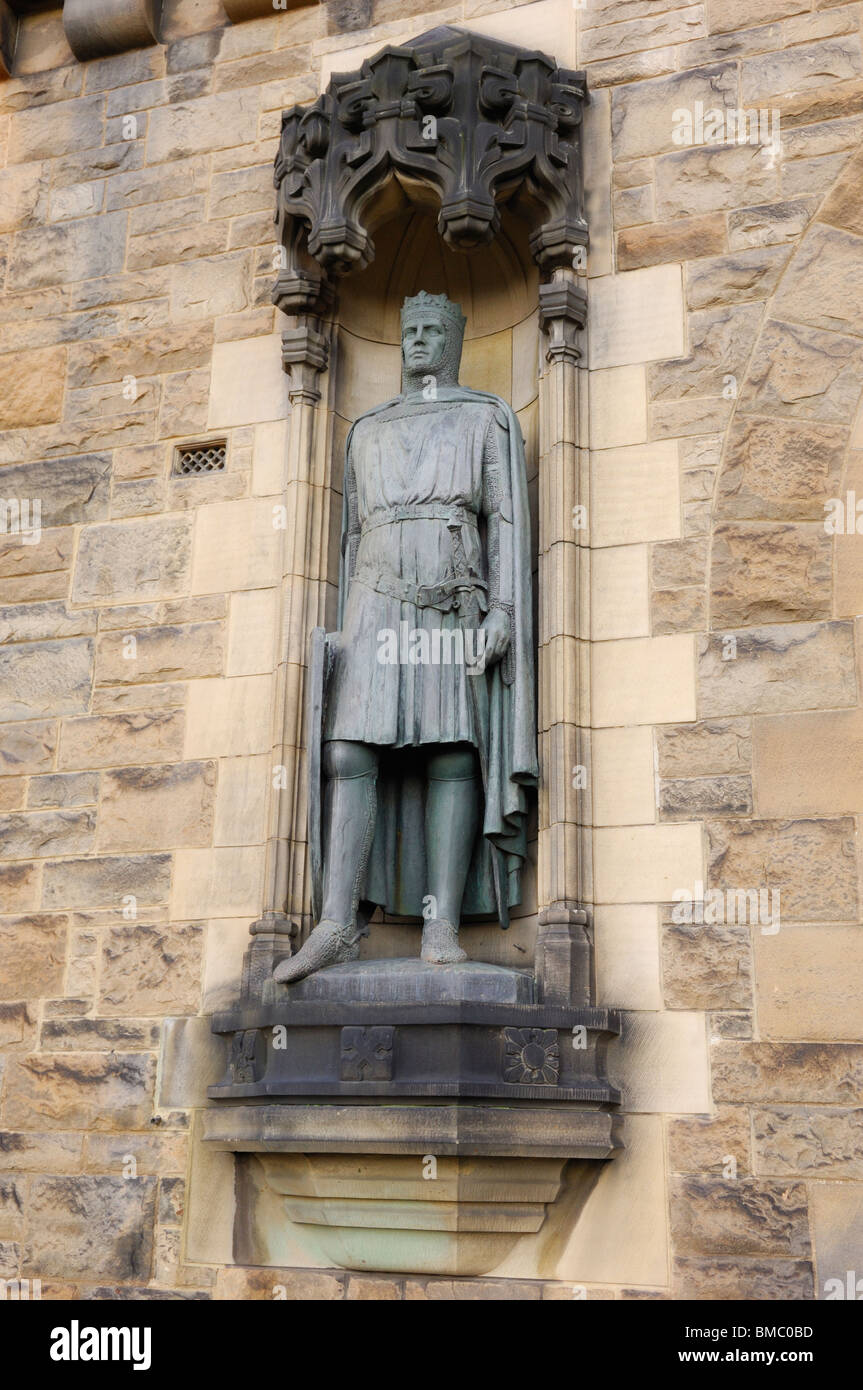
{"points": [[351, 538], [500, 593]]}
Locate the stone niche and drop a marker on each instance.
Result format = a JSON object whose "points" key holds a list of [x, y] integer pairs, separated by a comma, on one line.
{"points": [[387, 1114]]}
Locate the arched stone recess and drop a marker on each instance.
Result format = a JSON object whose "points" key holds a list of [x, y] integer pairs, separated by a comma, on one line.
{"points": [[452, 163]]}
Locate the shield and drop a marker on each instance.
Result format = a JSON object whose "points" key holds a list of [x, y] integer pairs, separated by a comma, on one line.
{"points": [[320, 665]]}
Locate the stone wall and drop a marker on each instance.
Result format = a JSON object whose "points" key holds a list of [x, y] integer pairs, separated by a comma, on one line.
{"points": [[724, 362]]}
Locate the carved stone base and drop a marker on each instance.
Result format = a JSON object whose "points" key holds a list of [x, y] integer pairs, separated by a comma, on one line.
{"points": [[407, 1117], [420, 1214]]}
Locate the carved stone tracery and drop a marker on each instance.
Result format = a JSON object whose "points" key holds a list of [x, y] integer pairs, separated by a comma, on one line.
{"points": [[458, 118]]}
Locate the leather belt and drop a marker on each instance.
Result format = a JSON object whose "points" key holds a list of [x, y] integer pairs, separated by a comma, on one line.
{"points": [[420, 511], [444, 596]]}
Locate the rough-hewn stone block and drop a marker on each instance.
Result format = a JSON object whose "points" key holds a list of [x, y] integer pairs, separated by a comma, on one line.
{"points": [[43, 678], [812, 863], [768, 670], [91, 1227]]}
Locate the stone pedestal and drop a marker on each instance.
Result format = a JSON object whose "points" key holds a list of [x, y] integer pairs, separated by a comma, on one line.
{"points": [[418, 1117]]}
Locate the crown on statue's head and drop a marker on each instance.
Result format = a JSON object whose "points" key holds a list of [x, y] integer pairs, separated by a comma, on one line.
{"points": [[422, 303]]}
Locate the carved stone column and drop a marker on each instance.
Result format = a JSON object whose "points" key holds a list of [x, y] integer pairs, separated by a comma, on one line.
{"points": [[563, 950], [305, 350]]}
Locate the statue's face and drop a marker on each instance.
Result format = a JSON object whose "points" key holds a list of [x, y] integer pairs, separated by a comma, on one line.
{"points": [[423, 343]]}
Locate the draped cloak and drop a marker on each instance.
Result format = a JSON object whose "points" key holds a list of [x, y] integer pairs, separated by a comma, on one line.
{"points": [[430, 705]]}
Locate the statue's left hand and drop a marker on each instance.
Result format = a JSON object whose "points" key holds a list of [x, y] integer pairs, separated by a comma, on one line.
{"points": [[496, 628]]}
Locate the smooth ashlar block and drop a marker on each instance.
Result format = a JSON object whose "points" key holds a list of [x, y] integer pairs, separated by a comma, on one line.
{"points": [[622, 776], [228, 718], [635, 494], [619, 602], [248, 384], [636, 316], [626, 939], [618, 406], [646, 863], [643, 680], [236, 545]]}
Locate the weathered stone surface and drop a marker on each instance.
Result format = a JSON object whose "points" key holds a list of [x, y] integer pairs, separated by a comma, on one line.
{"points": [[70, 251], [31, 393], [810, 862], [40, 834], [799, 69], [158, 807], [747, 1217], [641, 114], [763, 572], [37, 1152], [735, 279], [703, 749], [91, 1227], [810, 763], [824, 282], [299, 1284], [810, 979], [820, 1141], [33, 952], [105, 882], [42, 678], [844, 205], [152, 353], [48, 131], [721, 1280], [39, 622], [706, 967], [770, 669], [675, 564], [160, 654], [133, 560], [153, 1153], [22, 195], [780, 470], [804, 372], [690, 797], [711, 178], [99, 1035], [770, 224], [681, 240], [19, 887], [12, 791], [210, 123], [185, 403], [817, 1073], [81, 1090], [70, 489], [720, 341], [678, 610], [704, 1143], [112, 740], [64, 789], [152, 969]]}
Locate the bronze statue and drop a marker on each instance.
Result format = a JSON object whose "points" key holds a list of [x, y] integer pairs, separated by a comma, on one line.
{"points": [[424, 733]]}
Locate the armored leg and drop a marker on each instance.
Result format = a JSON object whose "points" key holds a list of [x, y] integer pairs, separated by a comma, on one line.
{"points": [[350, 799], [452, 814]]}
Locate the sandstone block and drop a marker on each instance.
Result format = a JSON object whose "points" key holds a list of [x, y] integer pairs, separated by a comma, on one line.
{"points": [[41, 834], [772, 1280], [809, 981], [195, 127], [33, 950], [764, 572], [641, 114], [157, 807], [746, 1217], [151, 969], [80, 1090], [802, 372], [768, 670], [133, 560], [106, 882], [31, 393], [707, 967], [702, 1143], [45, 678], [816, 1141], [91, 1227], [70, 251], [802, 1073], [811, 863], [112, 740], [160, 654], [780, 469]]}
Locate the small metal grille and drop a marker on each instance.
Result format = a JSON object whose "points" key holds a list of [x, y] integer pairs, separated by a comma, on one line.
{"points": [[207, 457]]}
